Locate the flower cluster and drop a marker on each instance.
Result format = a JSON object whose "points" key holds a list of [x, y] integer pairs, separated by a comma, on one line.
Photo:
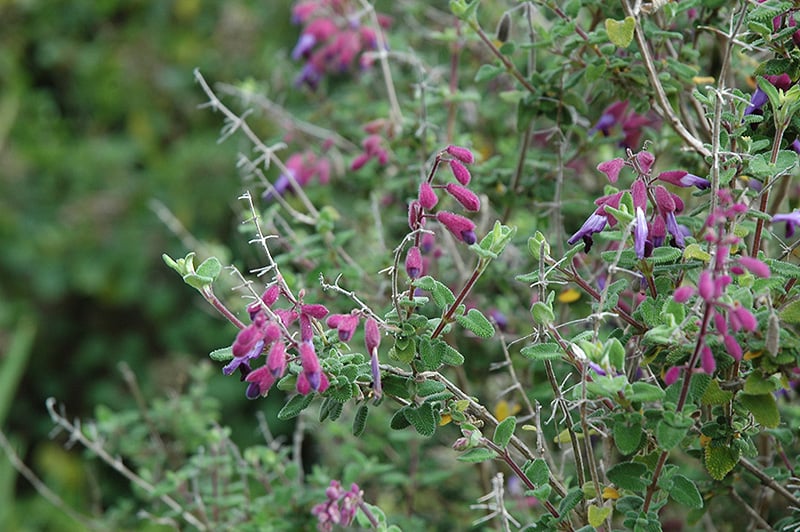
{"points": [[340, 508], [630, 122], [268, 332], [728, 316], [649, 230], [303, 167], [332, 38], [420, 209]]}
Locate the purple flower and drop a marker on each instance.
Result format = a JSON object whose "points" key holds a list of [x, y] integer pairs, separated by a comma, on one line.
{"points": [[414, 262], [372, 339], [792, 220], [345, 323], [682, 178], [312, 377], [611, 116], [261, 380], [640, 233], [677, 231], [462, 228], [594, 224]]}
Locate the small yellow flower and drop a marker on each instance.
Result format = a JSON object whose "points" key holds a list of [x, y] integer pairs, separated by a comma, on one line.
{"points": [[752, 355], [504, 409], [445, 419], [610, 492], [570, 295], [704, 440]]}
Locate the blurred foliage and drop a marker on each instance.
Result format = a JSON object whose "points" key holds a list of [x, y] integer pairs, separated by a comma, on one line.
{"points": [[98, 117]]}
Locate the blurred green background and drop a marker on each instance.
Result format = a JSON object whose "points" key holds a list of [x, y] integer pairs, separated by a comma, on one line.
{"points": [[98, 118]]}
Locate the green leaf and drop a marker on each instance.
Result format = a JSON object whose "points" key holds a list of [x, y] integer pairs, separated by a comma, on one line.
{"points": [[210, 268], [488, 72], [296, 404], [756, 384], [422, 418], [479, 454], [197, 281], [790, 313], [538, 472], [223, 354], [595, 70], [685, 492], [404, 349], [475, 321], [542, 313], [504, 431], [629, 476], [360, 420], [645, 393], [720, 460], [764, 409], [620, 32], [444, 352], [399, 420], [429, 387], [570, 501], [597, 514], [669, 436], [442, 296], [628, 432], [714, 395], [546, 351], [430, 355]]}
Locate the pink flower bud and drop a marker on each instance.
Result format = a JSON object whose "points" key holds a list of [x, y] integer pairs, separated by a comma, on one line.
{"points": [[372, 334], [705, 285], [639, 193], [719, 321], [755, 266], [415, 219], [707, 360], [460, 172], [276, 360], [464, 196], [664, 200], [427, 197], [247, 341], [734, 349], [359, 162], [672, 374], [413, 262], [462, 228], [462, 154], [683, 293], [306, 330], [744, 317]]}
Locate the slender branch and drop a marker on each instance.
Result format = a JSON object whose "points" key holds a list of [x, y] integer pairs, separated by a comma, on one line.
{"points": [[663, 105], [76, 434], [768, 481]]}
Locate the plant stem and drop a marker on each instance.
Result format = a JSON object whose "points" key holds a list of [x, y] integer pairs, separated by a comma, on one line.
{"points": [[208, 294], [448, 315]]}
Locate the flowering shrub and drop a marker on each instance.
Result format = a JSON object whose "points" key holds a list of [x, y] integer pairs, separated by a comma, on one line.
{"points": [[637, 374]]}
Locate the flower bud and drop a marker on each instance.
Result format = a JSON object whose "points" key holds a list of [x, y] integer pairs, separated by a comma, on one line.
{"points": [[462, 228], [414, 262], [427, 197], [464, 196], [460, 172], [460, 153]]}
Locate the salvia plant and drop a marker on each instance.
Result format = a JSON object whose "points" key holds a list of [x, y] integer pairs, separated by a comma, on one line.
{"points": [[554, 241]]}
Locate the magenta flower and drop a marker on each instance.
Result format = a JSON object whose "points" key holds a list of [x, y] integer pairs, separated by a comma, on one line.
{"points": [[754, 266], [612, 115], [707, 361], [683, 293], [462, 228], [261, 380], [311, 378], [759, 97], [672, 374], [612, 168], [460, 153], [792, 220], [427, 197], [345, 323], [468, 199], [460, 172], [372, 339], [682, 178], [340, 508], [413, 262], [248, 344]]}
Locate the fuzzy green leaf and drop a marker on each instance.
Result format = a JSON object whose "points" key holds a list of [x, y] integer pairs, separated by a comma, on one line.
{"points": [[504, 431], [476, 322], [629, 476], [538, 472], [669, 436], [720, 460], [360, 420], [479, 454], [422, 418], [620, 32], [791, 313], [296, 404], [627, 430], [546, 351], [764, 409], [223, 354], [685, 492]]}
